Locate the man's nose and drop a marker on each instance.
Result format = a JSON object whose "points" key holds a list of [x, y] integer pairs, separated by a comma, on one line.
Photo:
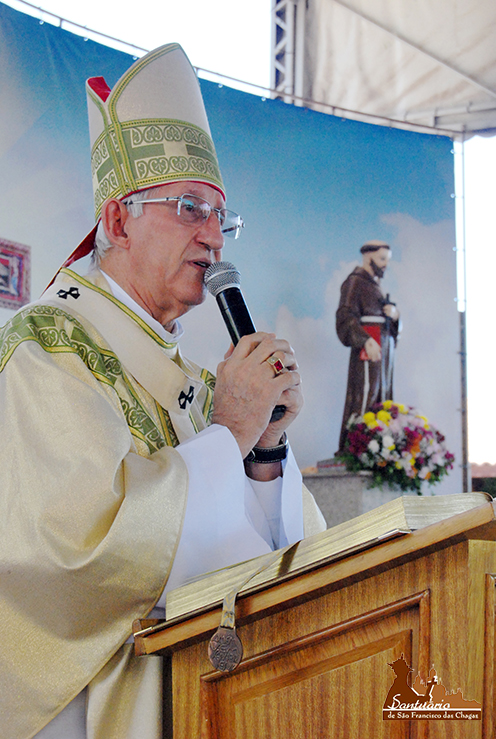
{"points": [[211, 235]]}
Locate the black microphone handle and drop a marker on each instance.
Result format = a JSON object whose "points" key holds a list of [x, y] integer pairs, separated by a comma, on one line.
{"points": [[240, 323], [235, 313]]}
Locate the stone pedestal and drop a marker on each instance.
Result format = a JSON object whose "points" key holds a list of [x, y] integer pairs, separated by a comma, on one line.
{"points": [[342, 495]]}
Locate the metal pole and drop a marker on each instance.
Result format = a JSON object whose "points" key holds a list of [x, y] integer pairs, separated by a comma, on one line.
{"points": [[467, 478]]}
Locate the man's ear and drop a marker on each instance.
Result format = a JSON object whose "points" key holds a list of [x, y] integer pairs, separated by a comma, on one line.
{"points": [[114, 217]]}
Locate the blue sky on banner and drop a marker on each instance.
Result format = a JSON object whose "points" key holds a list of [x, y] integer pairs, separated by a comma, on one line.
{"points": [[233, 38]]}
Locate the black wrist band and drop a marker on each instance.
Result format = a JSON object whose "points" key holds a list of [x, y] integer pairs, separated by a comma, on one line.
{"points": [[271, 454]]}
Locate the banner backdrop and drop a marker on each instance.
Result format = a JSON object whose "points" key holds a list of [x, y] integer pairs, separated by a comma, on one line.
{"points": [[312, 189]]}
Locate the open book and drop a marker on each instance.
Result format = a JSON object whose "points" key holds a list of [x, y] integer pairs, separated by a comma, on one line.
{"points": [[396, 518]]}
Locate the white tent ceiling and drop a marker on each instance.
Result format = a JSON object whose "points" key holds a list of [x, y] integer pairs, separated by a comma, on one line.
{"points": [[428, 62]]}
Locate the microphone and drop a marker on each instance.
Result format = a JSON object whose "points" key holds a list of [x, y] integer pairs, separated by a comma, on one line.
{"points": [[223, 281]]}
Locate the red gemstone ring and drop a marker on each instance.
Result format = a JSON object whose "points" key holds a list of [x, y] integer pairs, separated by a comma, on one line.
{"points": [[276, 365]]}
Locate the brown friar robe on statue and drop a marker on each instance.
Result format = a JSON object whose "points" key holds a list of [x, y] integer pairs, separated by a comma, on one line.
{"points": [[368, 382]]}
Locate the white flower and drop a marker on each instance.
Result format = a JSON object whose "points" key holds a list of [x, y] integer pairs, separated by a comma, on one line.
{"points": [[395, 426], [388, 442], [406, 461], [374, 446]]}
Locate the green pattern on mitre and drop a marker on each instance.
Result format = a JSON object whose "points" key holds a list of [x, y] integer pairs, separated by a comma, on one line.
{"points": [[157, 152], [56, 331], [151, 130]]}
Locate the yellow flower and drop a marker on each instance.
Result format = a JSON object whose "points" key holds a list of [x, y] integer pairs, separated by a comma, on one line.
{"points": [[426, 422], [369, 418], [402, 408], [387, 404], [397, 465], [384, 416]]}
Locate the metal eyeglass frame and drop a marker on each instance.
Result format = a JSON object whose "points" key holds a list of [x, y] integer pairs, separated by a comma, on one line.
{"points": [[234, 222]]}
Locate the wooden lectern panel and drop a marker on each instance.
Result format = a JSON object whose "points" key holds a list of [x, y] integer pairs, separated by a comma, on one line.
{"points": [[320, 670], [317, 648], [259, 698], [264, 711]]}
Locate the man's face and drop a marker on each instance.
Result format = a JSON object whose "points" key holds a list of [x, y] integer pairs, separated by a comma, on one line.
{"points": [[379, 261], [168, 257]]}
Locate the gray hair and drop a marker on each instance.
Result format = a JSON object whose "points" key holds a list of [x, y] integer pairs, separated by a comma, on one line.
{"points": [[134, 205]]}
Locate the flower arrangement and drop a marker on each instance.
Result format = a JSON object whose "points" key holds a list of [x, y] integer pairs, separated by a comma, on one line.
{"points": [[398, 445]]}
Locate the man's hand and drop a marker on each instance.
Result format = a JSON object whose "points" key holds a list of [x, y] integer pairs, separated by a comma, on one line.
{"points": [[373, 350], [391, 311], [247, 390]]}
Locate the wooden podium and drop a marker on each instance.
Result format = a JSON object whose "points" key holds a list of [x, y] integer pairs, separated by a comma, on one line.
{"points": [[317, 646]]}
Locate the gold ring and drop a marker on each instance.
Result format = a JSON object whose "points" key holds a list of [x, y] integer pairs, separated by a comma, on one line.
{"points": [[276, 365]]}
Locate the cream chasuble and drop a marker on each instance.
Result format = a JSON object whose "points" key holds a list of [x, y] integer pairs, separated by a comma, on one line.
{"points": [[92, 505]]}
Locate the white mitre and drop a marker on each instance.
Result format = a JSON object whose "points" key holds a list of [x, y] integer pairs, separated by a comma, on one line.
{"points": [[151, 129]]}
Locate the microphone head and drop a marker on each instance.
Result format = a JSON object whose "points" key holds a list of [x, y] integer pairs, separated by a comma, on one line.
{"points": [[221, 275]]}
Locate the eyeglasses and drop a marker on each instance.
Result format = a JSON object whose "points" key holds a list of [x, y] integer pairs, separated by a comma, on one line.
{"points": [[192, 209]]}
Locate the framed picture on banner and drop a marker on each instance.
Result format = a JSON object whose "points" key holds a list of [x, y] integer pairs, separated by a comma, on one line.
{"points": [[15, 274]]}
